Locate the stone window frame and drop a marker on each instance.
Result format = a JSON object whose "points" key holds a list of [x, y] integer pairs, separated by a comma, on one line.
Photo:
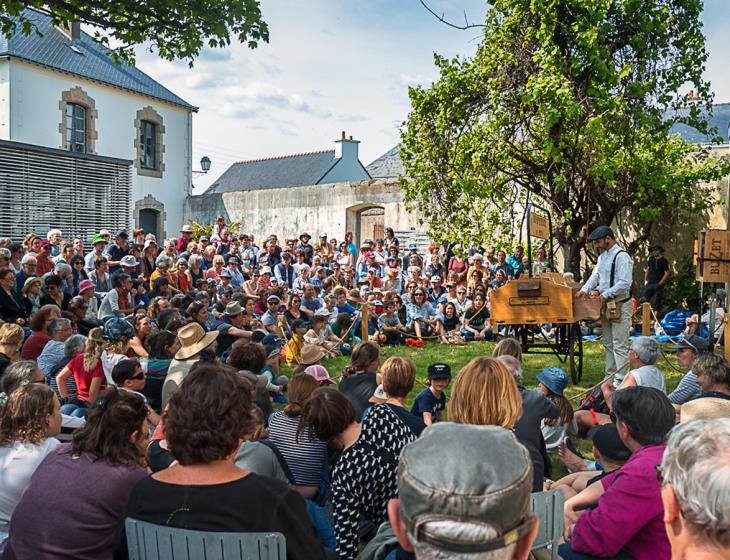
{"points": [[77, 96], [150, 115]]}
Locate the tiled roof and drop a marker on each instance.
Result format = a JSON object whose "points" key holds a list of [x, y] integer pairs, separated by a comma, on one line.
{"points": [[720, 119], [82, 57], [275, 172], [387, 166]]}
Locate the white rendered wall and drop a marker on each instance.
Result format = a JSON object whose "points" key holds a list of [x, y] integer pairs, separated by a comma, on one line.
{"points": [[34, 118]]}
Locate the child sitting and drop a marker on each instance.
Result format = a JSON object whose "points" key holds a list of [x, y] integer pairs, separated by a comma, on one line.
{"points": [[389, 324], [294, 347], [553, 381], [430, 402]]}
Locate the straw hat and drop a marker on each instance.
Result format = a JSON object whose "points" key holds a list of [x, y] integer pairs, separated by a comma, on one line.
{"points": [[29, 282], [705, 408], [311, 354], [193, 339]]}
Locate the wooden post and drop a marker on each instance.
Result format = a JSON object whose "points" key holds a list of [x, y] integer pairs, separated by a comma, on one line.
{"points": [[645, 318], [727, 337], [364, 323]]}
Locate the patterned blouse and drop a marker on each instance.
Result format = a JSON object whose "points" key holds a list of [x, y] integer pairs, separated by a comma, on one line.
{"points": [[364, 478]]}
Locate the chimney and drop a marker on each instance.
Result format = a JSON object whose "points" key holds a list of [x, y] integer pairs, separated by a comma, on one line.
{"points": [[347, 148], [72, 31]]}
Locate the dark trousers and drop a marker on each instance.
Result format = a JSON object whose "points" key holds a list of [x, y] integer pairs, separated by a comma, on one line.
{"points": [[566, 553], [653, 293]]}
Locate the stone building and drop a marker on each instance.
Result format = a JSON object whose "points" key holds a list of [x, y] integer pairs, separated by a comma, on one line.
{"points": [[326, 191], [86, 142]]}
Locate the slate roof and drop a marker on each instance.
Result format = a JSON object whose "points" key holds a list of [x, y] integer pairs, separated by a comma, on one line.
{"points": [[389, 165], [82, 57], [720, 119], [275, 172]]}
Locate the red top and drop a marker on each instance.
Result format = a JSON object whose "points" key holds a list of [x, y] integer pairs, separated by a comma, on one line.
{"points": [[83, 378], [34, 345]]}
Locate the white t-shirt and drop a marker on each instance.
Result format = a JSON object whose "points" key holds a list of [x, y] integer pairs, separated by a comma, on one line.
{"points": [[18, 462], [649, 376], [108, 361]]}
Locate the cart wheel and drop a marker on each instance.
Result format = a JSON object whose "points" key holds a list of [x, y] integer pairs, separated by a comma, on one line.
{"points": [[575, 353]]}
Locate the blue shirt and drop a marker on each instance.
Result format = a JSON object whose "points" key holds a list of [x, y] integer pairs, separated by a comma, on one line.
{"points": [[347, 308], [426, 401], [516, 265]]}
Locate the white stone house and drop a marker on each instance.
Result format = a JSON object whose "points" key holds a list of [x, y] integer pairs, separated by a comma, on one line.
{"points": [[86, 142]]}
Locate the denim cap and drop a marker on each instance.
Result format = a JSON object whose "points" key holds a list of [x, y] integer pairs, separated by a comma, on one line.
{"points": [[482, 481], [692, 342], [554, 378]]}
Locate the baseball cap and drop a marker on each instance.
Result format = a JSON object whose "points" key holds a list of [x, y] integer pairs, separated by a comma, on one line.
{"points": [[122, 234], [319, 373], [693, 342], [225, 274], [412, 245], [607, 441], [439, 371], [272, 344], [273, 298], [490, 494]]}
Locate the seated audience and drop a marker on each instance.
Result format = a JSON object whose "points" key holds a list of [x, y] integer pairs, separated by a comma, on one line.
{"points": [[364, 478], [626, 519], [552, 383], [688, 349], [85, 484], [694, 475], [713, 377], [204, 490]]}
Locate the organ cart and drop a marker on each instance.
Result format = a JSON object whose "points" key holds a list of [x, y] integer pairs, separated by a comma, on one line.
{"points": [[530, 306]]}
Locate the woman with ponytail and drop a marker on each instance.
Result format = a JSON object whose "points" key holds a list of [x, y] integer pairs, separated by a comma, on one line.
{"points": [[87, 370]]}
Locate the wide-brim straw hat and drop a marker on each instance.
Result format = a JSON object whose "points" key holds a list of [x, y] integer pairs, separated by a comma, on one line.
{"points": [[29, 282], [311, 354], [193, 339], [704, 408]]}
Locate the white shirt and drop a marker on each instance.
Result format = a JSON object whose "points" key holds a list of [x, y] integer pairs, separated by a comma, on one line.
{"points": [[601, 277], [18, 462], [108, 361]]}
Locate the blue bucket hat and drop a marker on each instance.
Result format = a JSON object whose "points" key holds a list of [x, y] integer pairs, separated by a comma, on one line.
{"points": [[554, 378]]}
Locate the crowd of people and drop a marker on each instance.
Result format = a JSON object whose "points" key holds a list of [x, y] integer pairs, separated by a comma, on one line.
{"points": [[145, 381]]}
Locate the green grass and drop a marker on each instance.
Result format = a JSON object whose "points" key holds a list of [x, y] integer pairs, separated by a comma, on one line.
{"points": [[532, 364]]}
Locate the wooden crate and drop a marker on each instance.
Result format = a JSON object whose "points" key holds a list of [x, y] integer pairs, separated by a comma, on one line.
{"points": [[516, 304]]}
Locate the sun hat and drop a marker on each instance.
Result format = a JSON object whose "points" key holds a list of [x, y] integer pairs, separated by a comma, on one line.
{"points": [[99, 238], [322, 312], [607, 441], [379, 395], [302, 236], [436, 278], [482, 480], [311, 354], [233, 260], [272, 297], [704, 408], [319, 373], [554, 378], [193, 339], [34, 280], [265, 270], [323, 234], [129, 261], [225, 274], [85, 285], [187, 228], [104, 232], [234, 308]]}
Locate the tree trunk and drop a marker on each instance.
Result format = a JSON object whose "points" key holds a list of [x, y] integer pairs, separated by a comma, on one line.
{"points": [[571, 257]]}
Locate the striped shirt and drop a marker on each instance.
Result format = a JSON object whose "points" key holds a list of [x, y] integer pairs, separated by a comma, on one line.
{"points": [[305, 458]]}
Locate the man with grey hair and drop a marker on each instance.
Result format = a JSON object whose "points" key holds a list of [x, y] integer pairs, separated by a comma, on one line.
{"points": [[64, 272], [59, 330], [28, 269], [695, 479], [54, 238], [473, 505]]}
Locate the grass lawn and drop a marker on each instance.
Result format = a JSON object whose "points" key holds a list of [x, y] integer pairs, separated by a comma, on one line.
{"points": [[533, 364]]}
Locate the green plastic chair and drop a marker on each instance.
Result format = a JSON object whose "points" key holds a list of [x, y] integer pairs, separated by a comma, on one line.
{"points": [[548, 507], [147, 541]]}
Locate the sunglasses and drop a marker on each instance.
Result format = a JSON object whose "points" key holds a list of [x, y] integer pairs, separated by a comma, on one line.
{"points": [[140, 375]]}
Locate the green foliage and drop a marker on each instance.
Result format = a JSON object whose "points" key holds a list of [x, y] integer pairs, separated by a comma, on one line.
{"points": [[569, 102], [200, 229], [176, 29]]}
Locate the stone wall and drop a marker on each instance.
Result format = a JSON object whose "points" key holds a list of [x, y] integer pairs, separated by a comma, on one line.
{"points": [[334, 209]]}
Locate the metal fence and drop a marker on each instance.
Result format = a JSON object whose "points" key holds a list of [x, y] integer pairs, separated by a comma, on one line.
{"points": [[43, 188]]}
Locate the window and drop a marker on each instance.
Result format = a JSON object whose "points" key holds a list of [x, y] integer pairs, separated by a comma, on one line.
{"points": [[76, 128], [148, 145]]}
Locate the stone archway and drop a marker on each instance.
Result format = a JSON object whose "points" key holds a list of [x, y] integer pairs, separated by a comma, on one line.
{"points": [[365, 221], [149, 208]]}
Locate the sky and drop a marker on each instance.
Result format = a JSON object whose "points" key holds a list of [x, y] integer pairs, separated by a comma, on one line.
{"points": [[338, 65]]}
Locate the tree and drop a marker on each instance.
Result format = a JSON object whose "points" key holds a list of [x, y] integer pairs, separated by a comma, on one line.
{"points": [[570, 103], [176, 29]]}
